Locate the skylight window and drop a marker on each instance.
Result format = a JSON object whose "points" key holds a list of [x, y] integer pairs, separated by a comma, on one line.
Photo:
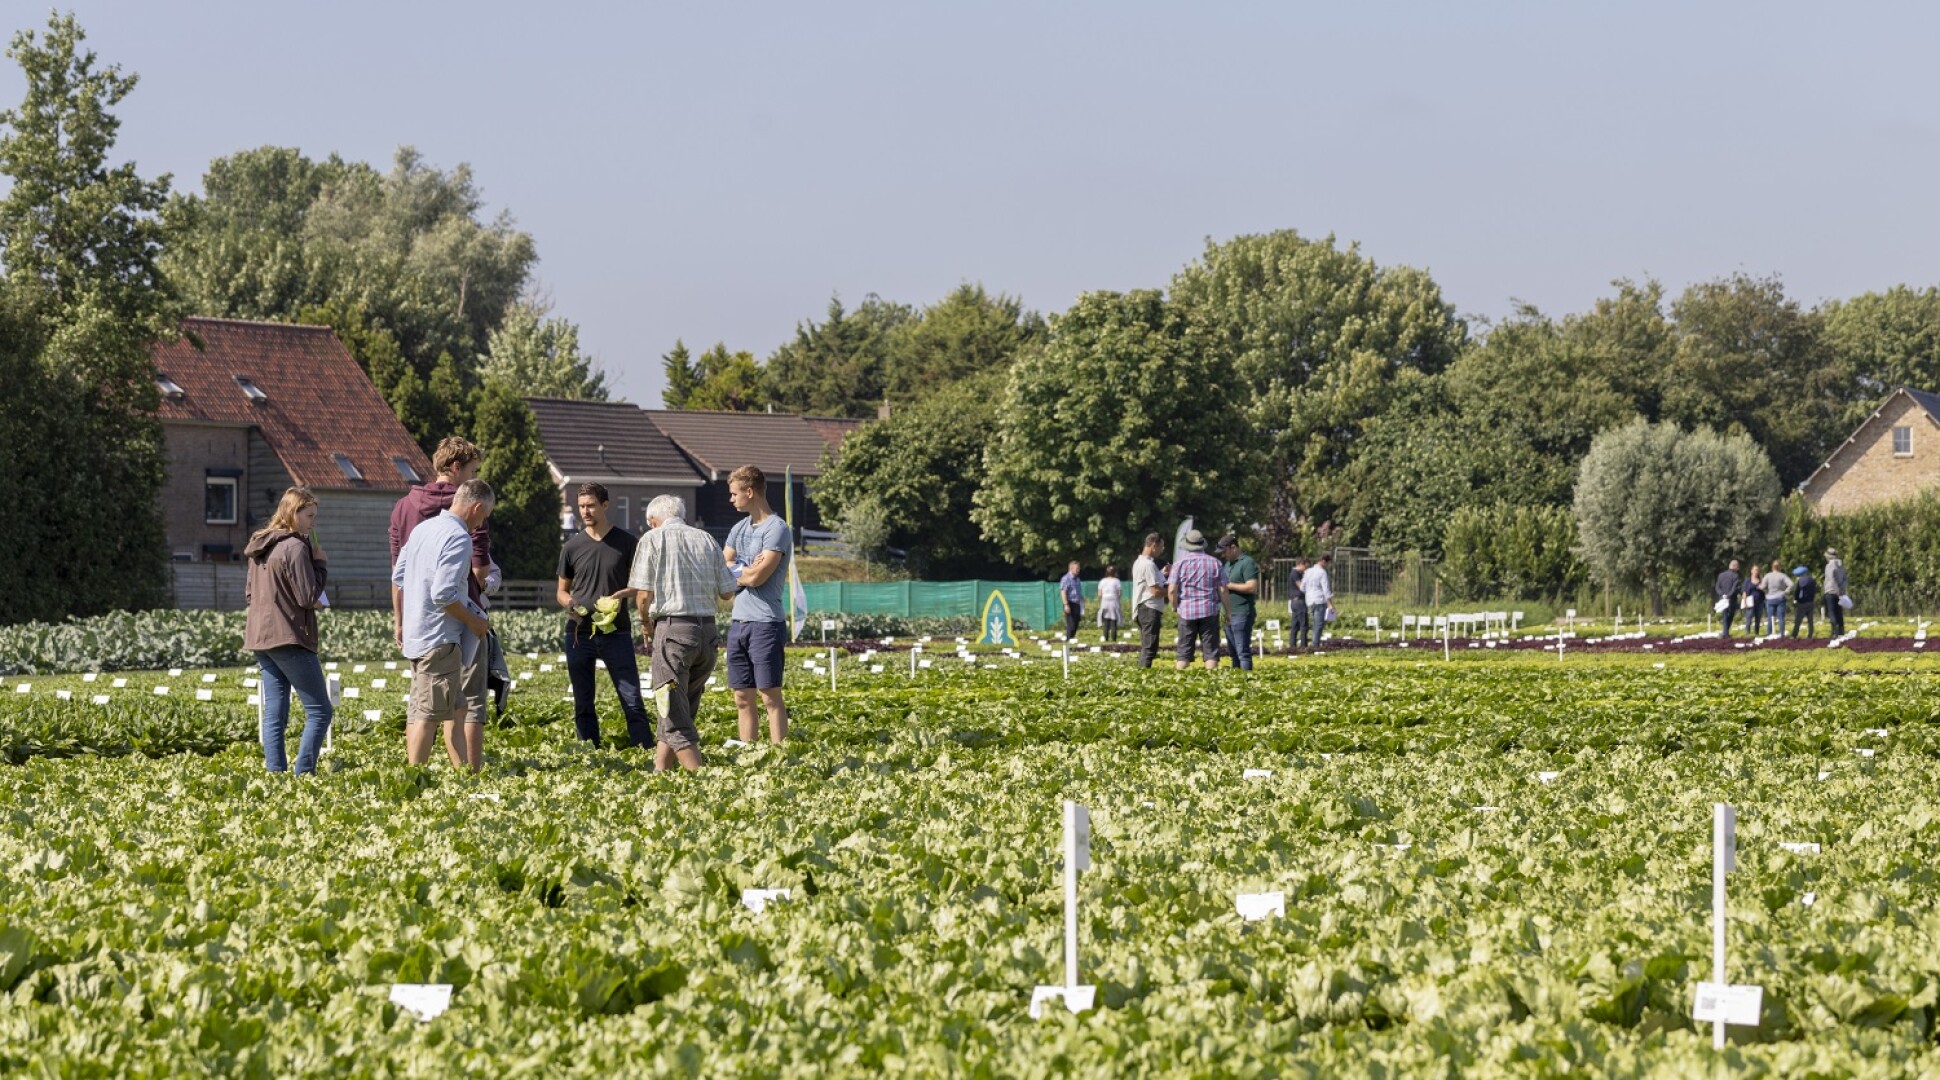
{"points": [[348, 468], [169, 387], [251, 391], [405, 470]]}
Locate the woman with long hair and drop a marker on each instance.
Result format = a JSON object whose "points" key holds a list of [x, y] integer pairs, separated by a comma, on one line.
{"points": [[287, 571]]}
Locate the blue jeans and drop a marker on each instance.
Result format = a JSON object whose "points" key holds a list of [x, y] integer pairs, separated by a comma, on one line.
{"points": [[1775, 616], [583, 649], [1317, 621], [286, 668], [1239, 641]]}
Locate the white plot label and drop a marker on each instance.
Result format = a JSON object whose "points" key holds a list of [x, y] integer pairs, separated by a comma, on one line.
{"points": [[757, 900], [1255, 906], [1723, 1003], [424, 1000], [1257, 774], [1076, 998]]}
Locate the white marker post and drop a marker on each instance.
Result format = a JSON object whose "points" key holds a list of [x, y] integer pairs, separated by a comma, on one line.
{"points": [[831, 667], [335, 685], [1067, 659], [1077, 856]]}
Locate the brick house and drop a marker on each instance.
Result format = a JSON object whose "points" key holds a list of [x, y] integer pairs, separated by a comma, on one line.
{"points": [[1894, 454], [612, 444], [251, 408]]}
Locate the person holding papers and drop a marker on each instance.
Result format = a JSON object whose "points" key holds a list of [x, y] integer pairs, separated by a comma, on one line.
{"points": [[287, 571], [443, 630]]}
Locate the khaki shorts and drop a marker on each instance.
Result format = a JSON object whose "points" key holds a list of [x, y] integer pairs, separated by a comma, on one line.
{"points": [[436, 690], [473, 681]]}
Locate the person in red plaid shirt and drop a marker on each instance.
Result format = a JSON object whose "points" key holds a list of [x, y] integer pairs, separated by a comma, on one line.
{"points": [[1198, 593]]}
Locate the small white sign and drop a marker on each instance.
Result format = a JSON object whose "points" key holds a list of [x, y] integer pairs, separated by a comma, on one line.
{"points": [[1722, 1003], [1800, 847], [90, 676], [351, 692], [24, 688], [331, 666], [1809, 899], [1076, 998], [99, 699], [1257, 774], [250, 684], [119, 684], [828, 624], [64, 695], [425, 1000], [175, 673], [379, 684], [208, 678], [1864, 753], [205, 695], [254, 699], [391, 665], [1824, 775], [161, 691], [757, 900], [1879, 731], [373, 715], [545, 668], [489, 796], [731, 744], [1255, 906], [1077, 820], [1547, 777]]}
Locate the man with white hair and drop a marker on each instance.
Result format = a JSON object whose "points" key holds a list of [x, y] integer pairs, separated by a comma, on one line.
{"points": [[678, 579]]}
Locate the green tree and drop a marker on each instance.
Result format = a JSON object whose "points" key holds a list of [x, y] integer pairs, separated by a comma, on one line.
{"points": [[1664, 508], [837, 367], [541, 356], [1321, 339], [525, 523], [79, 240], [967, 332], [1886, 340], [273, 234], [920, 470], [1748, 358], [681, 376], [727, 382], [1127, 419]]}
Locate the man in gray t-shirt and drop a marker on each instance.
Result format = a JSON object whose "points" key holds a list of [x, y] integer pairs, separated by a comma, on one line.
{"points": [[758, 549]]}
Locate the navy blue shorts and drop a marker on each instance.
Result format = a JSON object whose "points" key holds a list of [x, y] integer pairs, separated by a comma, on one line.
{"points": [[756, 655]]}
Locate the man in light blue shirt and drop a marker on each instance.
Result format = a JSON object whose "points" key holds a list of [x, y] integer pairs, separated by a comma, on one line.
{"points": [[442, 628], [758, 549]]}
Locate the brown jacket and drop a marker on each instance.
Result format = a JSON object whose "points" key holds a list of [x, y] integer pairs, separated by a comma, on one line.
{"points": [[281, 590]]}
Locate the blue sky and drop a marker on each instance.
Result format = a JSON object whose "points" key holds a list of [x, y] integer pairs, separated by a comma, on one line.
{"points": [[716, 171]]}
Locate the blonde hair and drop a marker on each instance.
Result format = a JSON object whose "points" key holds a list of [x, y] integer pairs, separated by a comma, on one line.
{"points": [[293, 502], [453, 453]]}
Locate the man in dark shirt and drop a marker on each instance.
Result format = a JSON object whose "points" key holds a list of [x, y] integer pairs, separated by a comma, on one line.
{"points": [[1726, 589], [593, 567]]}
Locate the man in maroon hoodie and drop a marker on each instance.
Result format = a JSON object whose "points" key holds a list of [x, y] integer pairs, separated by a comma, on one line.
{"points": [[455, 461]]}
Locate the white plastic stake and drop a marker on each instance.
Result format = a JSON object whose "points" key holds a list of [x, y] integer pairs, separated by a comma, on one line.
{"points": [[1724, 859], [1077, 857], [1067, 658], [831, 667]]}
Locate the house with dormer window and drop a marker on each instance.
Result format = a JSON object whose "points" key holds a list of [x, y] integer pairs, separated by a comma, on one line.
{"points": [[251, 408]]}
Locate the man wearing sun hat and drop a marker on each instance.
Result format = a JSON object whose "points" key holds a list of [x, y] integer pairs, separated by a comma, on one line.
{"points": [[1197, 590], [1835, 593]]}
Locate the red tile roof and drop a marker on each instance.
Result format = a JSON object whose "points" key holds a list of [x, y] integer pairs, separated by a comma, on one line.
{"points": [[319, 403]]}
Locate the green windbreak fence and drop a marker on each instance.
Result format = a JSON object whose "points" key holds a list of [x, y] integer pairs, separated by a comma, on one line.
{"points": [[1032, 603]]}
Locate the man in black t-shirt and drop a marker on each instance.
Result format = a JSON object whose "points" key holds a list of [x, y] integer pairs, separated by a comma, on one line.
{"points": [[593, 568]]}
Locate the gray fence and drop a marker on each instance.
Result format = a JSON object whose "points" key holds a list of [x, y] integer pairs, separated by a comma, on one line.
{"points": [[1363, 573]]}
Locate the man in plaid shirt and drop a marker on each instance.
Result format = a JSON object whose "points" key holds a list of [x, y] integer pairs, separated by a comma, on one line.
{"points": [[1198, 593], [677, 575]]}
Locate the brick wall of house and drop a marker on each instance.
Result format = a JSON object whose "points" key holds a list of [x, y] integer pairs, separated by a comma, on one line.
{"points": [[1865, 471], [193, 449]]}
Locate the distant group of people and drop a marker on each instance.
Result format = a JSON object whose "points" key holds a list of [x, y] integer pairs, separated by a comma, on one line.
{"points": [[1213, 597], [1762, 598], [443, 574]]}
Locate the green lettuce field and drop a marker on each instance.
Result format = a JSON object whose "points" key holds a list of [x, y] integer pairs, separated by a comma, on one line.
{"points": [[1451, 910]]}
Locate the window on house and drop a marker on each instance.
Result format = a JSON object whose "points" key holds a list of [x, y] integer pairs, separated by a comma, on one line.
{"points": [[219, 500], [348, 468], [405, 470], [250, 390], [169, 387], [1902, 442], [621, 512]]}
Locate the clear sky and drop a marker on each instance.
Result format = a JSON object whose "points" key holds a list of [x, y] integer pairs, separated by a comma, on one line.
{"points": [[716, 171]]}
